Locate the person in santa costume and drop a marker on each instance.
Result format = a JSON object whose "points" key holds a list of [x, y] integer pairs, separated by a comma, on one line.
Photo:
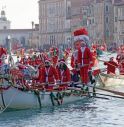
{"points": [[111, 66], [24, 60], [84, 57], [3, 53], [54, 54], [74, 56], [48, 75], [64, 74]]}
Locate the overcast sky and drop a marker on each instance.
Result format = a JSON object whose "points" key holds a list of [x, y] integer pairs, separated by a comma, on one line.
{"points": [[21, 12]]}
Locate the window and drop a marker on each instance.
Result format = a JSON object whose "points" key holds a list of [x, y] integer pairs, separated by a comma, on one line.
{"points": [[107, 33], [107, 8], [84, 23], [116, 19], [68, 11], [93, 21], [107, 20], [4, 27]]}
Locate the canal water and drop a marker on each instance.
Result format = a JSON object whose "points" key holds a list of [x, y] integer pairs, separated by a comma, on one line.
{"points": [[88, 113]]}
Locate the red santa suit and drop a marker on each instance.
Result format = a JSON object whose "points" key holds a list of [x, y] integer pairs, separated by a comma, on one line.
{"points": [[2, 52], [64, 75], [54, 55], [111, 67], [74, 58], [38, 61], [94, 59], [84, 59], [49, 75], [121, 67], [24, 61]]}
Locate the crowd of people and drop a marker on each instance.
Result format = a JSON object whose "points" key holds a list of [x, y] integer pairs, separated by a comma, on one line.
{"points": [[52, 66]]}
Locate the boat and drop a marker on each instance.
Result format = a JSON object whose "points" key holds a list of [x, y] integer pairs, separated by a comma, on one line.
{"points": [[108, 80], [13, 97]]}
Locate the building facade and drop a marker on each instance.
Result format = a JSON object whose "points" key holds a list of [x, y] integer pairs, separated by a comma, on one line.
{"points": [[26, 37], [119, 22], [95, 15], [54, 26]]}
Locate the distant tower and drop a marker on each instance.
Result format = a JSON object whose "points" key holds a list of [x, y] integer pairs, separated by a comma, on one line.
{"points": [[4, 23]]}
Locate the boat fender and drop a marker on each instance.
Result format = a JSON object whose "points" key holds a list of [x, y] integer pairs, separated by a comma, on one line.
{"points": [[52, 96], [37, 93], [59, 98]]}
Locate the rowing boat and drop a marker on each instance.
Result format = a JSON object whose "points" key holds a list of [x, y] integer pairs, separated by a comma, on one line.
{"points": [[108, 80], [15, 98]]}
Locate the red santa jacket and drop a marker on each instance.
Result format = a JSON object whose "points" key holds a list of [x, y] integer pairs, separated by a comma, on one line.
{"points": [[48, 75], [64, 76], [74, 58], [24, 61], [121, 67], [55, 60], [84, 56], [94, 59], [2, 52], [111, 66], [38, 61]]}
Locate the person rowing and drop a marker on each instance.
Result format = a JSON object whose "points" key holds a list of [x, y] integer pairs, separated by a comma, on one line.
{"points": [[111, 66], [49, 75], [64, 74]]}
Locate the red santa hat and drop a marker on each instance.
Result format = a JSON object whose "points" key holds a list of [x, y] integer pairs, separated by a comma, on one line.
{"points": [[62, 61], [81, 35], [48, 60]]}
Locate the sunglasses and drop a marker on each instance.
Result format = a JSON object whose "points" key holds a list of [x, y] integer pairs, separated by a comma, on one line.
{"points": [[46, 62]]}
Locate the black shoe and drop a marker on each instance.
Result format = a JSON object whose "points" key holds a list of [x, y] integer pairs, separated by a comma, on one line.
{"points": [[93, 81]]}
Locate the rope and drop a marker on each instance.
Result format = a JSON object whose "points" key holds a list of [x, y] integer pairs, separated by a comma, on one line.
{"points": [[3, 100], [11, 99]]}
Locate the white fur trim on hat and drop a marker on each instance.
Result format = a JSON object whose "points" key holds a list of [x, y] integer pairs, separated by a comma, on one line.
{"points": [[84, 38]]}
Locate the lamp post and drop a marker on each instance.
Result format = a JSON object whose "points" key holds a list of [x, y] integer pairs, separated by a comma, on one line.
{"points": [[9, 44]]}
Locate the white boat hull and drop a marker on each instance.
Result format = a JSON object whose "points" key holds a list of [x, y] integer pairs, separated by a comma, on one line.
{"points": [[17, 99]]}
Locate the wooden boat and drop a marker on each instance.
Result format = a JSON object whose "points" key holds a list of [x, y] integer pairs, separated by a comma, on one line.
{"points": [[108, 80], [15, 98]]}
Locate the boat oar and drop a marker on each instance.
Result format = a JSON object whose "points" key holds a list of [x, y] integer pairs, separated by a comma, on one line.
{"points": [[107, 95], [86, 94], [111, 91], [119, 97]]}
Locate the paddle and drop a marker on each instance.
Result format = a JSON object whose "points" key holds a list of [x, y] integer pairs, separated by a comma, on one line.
{"points": [[86, 94], [99, 94], [111, 91]]}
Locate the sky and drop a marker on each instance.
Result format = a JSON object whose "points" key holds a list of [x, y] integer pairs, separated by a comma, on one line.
{"points": [[20, 12]]}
